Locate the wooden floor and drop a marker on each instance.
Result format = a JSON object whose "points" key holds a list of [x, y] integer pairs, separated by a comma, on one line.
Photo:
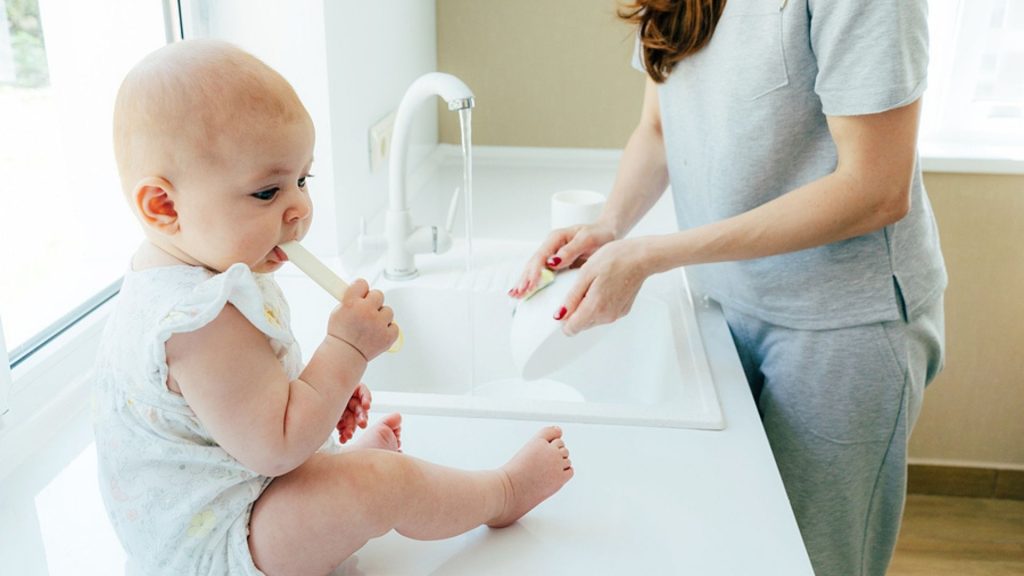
{"points": [[957, 536]]}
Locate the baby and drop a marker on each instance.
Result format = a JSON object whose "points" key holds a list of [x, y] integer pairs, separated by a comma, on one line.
{"points": [[214, 440]]}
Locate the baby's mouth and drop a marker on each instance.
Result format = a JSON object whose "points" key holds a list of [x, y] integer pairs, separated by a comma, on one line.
{"points": [[281, 256]]}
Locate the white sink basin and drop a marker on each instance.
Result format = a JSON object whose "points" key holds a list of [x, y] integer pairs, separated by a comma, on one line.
{"points": [[649, 370]]}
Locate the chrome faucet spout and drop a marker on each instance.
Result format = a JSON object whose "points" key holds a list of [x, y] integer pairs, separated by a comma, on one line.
{"points": [[461, 103]]}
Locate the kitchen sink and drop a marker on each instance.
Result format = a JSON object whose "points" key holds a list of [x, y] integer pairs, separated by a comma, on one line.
{"points": [[649, 369]]}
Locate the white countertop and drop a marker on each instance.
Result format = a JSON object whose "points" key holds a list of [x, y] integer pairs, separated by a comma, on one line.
{"points": [[643, 501]]}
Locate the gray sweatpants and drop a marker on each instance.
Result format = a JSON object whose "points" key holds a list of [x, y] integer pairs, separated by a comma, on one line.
{"points": [[837, 407]]}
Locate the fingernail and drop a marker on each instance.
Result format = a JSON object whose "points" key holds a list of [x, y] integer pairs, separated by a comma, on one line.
{"points": [[561, 313], [511, 291], [554, 261]]}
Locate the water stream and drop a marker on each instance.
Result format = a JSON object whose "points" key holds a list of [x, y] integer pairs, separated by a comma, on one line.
{"points": [[466, 125]]}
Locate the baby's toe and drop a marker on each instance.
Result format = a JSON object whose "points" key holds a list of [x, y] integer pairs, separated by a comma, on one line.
{"points": [[550, 433]]}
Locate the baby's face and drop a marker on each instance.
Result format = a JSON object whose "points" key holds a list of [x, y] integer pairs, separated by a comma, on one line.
{"points": [[247, 196]]}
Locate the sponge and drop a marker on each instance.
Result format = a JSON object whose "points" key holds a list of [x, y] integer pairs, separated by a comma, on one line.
{"points": [[546, 278]]}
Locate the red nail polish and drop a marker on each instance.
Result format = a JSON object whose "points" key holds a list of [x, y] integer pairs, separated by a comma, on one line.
{"points": [[554, 261], [561, 313]]}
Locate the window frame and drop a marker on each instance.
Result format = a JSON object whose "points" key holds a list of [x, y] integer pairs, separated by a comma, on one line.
{"points": [[6, 383], [54, 330]]}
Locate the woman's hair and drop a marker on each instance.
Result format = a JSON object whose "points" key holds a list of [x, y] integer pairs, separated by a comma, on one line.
{"points": [[671, 30]]}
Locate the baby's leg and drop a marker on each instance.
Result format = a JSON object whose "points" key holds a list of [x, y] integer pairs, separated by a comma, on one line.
{"points": [[309, 520]]}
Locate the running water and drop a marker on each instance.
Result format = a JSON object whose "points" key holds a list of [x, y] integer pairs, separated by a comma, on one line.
{"points": [[466, 124]]}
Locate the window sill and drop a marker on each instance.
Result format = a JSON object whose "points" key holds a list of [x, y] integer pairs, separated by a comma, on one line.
{"points": [[958, 157], [49, 389]]}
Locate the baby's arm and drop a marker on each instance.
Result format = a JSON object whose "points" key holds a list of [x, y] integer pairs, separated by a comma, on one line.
{"points": [[230, 377]]}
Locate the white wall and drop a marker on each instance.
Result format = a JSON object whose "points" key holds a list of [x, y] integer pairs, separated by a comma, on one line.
{"points": [[374, 51], [350, 63]]}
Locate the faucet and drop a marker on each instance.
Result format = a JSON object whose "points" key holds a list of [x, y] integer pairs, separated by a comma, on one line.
{"points": [[404, 240]]}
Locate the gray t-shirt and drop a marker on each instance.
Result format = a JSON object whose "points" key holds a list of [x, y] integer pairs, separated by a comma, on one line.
{"points": [[744, 122]]}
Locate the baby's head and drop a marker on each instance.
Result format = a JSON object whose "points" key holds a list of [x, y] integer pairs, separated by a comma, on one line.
{"points": [[213, 148]]}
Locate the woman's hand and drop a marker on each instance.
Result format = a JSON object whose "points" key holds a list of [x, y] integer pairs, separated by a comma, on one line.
{"points": [[564, 248], [356, 413], [607, 285]]}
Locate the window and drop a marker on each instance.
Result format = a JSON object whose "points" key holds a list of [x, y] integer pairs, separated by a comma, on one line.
{"points": [[975, 99], [66, 231]]}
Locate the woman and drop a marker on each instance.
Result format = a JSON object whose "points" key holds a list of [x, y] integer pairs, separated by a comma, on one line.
{"points": [[787, 131]]}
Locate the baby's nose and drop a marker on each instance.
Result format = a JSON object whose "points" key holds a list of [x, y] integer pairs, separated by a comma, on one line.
{"points": [[301, 207]]}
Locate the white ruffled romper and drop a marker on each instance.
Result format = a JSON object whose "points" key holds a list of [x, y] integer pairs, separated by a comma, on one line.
{"points": [[179, 503]]}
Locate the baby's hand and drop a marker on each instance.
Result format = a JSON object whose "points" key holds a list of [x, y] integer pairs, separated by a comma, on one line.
{"points": [[355, 414], [363, 321]]}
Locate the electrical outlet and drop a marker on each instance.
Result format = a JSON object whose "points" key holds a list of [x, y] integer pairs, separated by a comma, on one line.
{"points": [[380, 141]]}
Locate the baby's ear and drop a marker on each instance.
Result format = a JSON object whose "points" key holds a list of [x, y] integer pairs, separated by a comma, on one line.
{"points": [[153, 200]]}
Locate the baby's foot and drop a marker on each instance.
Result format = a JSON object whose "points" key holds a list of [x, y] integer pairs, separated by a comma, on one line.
{"points": [[385, 434], [537, 471]]}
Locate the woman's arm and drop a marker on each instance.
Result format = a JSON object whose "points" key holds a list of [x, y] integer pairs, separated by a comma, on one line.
{"points": [[869, 189], [642, 176], [641, 179]]}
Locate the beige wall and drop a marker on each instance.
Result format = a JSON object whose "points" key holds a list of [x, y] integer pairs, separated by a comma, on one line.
{"points": [[558, 74], [544, 73], [974, 411]]}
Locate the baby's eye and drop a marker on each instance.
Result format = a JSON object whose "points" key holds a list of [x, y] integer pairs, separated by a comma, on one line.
{"points": [[302, 181], [265, 194]]}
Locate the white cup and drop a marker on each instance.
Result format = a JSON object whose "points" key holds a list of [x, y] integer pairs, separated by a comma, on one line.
{"points": [[572, 207]]}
